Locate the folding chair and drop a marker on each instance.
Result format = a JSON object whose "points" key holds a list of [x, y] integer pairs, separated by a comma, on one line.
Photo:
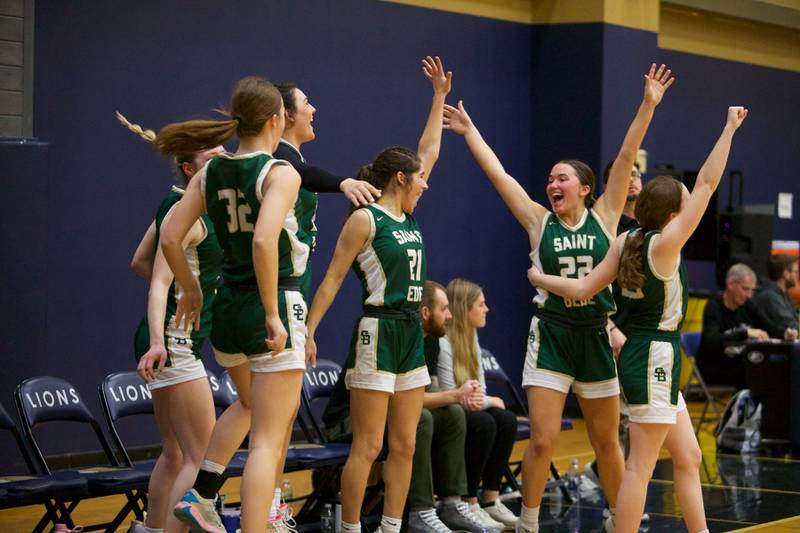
{"points": [[690, 342], [320, 455], [498, 382], [124, 394], [53, 491], [46, 399]]}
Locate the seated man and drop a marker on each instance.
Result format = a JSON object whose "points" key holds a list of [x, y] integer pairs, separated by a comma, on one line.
{"points": [[440, 435], [728, 318], [773, 300]]}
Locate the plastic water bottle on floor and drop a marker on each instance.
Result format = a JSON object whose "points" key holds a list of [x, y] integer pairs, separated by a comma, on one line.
{"points": [[326, 519], [286, 490], [574, 479]]}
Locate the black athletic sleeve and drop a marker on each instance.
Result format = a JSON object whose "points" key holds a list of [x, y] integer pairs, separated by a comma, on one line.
{"points": [[314, 179]]}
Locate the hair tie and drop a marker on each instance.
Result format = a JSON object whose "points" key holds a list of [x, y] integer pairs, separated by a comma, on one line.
{"points": [[237, 118]]}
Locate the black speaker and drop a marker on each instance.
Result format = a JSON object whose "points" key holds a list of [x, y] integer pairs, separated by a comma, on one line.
{"points": [[743, 238], [702, 245]]}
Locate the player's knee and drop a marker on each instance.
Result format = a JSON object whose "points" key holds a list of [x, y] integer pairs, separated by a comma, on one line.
{"points": [[403, 447], [542, 444], [367, 447], [688, 457]]}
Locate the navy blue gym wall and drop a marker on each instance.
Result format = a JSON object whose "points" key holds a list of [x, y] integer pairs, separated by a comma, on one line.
{"points": [[75, 209], [80, 207]]}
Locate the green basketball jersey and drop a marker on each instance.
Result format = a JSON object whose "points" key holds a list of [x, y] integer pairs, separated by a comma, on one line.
{"points": [[205, 260], [391, 264], [660, 305], [572, 253], [231, 186], [307, 205]]}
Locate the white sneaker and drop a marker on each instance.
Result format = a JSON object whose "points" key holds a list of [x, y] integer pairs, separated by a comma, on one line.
{"points": [[519, 528], [426, 521], [500, 513], [645, 516], [485, 518], [608, 525]]}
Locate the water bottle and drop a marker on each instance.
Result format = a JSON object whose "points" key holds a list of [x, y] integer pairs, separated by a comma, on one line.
{"points": [[326, 520], [286, 490], [338, 514], [574, 479]]}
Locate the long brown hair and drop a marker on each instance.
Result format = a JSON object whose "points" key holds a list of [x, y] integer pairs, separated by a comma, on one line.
{"points": [[660, 197], [462, 295], [254, 101]]}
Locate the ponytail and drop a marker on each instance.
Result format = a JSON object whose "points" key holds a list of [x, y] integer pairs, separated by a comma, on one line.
{"points": [[194, 136], [631, 271], [147, 135]]}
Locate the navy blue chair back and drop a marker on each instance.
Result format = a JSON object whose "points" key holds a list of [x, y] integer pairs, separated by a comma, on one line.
{"points": [[318, 386], [7, 424], [49, 399], [124, 394], [224, 391], [499, 384], [691, 342]]}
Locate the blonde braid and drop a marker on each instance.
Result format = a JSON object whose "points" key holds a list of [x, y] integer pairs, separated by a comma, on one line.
{"points": [[147, 135]]}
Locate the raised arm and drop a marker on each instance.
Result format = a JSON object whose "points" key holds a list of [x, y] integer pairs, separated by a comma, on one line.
{"points": [[679, 229], [431, 140], [527, 212], [173, 232], [279, 195], [583, 288], [354, 234], [611, 203]]}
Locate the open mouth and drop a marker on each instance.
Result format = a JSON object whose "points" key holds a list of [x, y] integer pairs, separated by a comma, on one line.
{"points": [[557, 199]]}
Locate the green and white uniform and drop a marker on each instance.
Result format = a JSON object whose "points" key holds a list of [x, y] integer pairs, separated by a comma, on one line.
{"points": [[386, 350], [568, 341], [183, 348], [306, 213], [650, 360], [231, 187]]}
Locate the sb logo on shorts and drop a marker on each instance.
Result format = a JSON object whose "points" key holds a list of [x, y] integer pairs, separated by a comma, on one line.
{"points": [[298, 311], [661, 375], [366, 338]]}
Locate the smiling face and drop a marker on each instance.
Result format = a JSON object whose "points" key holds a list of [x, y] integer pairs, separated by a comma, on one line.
{"points": [[412, 186], [476, 316], [565, 190], [300, 121]]}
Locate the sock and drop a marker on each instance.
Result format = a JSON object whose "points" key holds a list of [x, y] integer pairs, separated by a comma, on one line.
{"points": [[276, 503], [451, 500], [351, 528], [146, 529], [529, 517], [209, 479], [703, 531], [391, 525]]}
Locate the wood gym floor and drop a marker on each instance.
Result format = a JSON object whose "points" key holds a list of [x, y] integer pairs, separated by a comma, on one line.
{"points": [[741, 493]]}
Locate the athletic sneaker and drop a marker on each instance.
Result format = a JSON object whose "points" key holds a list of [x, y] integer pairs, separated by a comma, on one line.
{"points": [[500, 513], [426, 522], [458, 517], [519, 528], [609, 526], [484, 518], [198, 513]]}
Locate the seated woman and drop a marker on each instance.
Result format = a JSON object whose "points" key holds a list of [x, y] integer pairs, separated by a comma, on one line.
{"points": [[490, 426]]}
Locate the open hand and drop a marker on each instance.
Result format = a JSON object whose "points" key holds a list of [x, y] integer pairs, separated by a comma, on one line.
{"points": [[359, 192], [456, 119], [656, 84], [434, 71], [188, 309]]}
